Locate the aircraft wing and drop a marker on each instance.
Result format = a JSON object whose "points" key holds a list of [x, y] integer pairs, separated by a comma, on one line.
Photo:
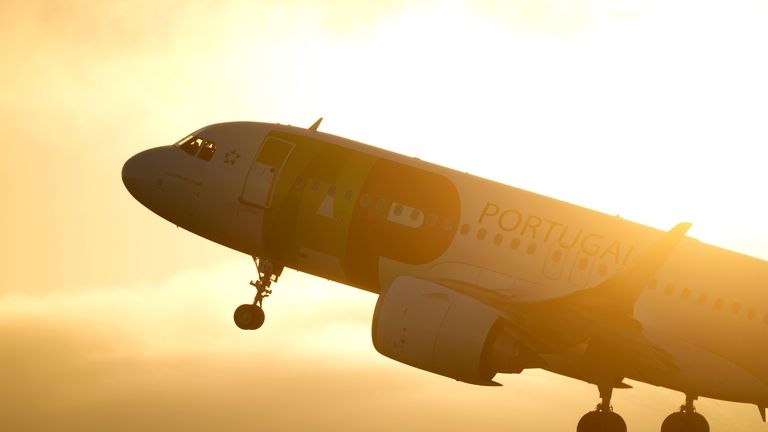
{"points": [[596, 322]]}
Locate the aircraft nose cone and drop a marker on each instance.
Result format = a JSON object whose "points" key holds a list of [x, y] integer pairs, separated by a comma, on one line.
{"points": [[131, 174], [137, 174]]}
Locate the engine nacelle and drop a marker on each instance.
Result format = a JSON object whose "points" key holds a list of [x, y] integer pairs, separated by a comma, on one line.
{"points": [[431, 327]]}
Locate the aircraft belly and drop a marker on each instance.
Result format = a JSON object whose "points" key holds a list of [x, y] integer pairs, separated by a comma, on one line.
{"points": [[320, 264], [249, 221], [705, 373]]}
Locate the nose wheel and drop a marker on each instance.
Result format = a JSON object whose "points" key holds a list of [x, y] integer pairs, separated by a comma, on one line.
{"points": [[251, 316]]}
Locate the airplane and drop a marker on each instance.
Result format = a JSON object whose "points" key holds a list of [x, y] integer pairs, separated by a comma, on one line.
{"points": [[474, 278]]}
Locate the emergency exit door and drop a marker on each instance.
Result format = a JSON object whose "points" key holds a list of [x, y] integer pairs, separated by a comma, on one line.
{"points": [[264, 172]]}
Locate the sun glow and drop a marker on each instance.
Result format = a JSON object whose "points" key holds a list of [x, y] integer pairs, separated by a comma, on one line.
{"points": [[110, 316], [620, 108]]}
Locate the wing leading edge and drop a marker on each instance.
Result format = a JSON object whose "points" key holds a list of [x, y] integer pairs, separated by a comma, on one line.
{"points": [[596, 324], [617, 295]]}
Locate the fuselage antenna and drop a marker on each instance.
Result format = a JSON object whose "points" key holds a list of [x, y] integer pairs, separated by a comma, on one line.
{"points": [[316, 124]]}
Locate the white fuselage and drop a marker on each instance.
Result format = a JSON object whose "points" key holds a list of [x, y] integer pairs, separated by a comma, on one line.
{"points": [[706, 307]]}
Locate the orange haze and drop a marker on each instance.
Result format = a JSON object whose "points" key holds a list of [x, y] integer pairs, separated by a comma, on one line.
{"points": [[113, 319]]}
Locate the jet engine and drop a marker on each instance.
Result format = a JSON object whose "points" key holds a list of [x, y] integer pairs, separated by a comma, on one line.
{"points": [[431, 327]]}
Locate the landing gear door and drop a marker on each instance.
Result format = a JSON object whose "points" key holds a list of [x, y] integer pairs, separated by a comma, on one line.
{"points": [[264, 171]]}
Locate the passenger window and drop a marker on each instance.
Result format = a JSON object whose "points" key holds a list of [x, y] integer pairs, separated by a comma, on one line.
{"points": [[497, 239], [431, 219], [415, 213], [464, 229], [532, 248], [299, 182], [515, 243], [735, 308], [381, 205], [398, 210], [702, 298], [209, 148], [332, 190], [481, 234], [365, 200], [719, 304], [686, 294], [348, 195], [583, 264], [557, 256]]}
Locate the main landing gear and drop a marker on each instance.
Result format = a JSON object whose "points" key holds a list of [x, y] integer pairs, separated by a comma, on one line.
{"points": [[602, 419], [685, 420], [251, 316]]}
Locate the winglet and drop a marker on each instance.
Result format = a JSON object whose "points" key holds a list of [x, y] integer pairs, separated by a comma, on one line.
{"points": [[761, 408], [648, 264], [316, 124]]}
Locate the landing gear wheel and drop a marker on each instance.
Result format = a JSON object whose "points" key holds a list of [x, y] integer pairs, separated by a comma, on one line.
{"points": [[686, 420], [249, 317], [601, 421]]}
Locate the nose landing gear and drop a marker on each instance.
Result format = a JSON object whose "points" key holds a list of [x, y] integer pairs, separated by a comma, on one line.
{"points": [[251, 316]]}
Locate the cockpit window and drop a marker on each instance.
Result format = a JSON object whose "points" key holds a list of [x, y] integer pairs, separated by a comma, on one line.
{"points": [[178, 143], [207, 152], [191, 145], [196, 146]]}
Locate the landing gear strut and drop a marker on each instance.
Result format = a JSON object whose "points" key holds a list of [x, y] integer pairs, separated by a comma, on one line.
{"points": [[251, 316], [602, 419], [686, 420]]}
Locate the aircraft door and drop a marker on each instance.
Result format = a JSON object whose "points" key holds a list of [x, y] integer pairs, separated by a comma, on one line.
{"points": [[265, 170]]}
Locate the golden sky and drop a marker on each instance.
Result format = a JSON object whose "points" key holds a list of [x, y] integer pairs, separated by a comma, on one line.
{"points": [[112, 318]]}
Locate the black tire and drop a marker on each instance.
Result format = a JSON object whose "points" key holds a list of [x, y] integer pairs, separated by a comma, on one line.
{"points": [[597, 421], [685, 422], [249, 317], [699, 423]]}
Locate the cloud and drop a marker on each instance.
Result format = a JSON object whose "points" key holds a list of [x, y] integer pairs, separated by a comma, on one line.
{"points": [[148, 355], [101, 326], [160, 355], [166, 355]]}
